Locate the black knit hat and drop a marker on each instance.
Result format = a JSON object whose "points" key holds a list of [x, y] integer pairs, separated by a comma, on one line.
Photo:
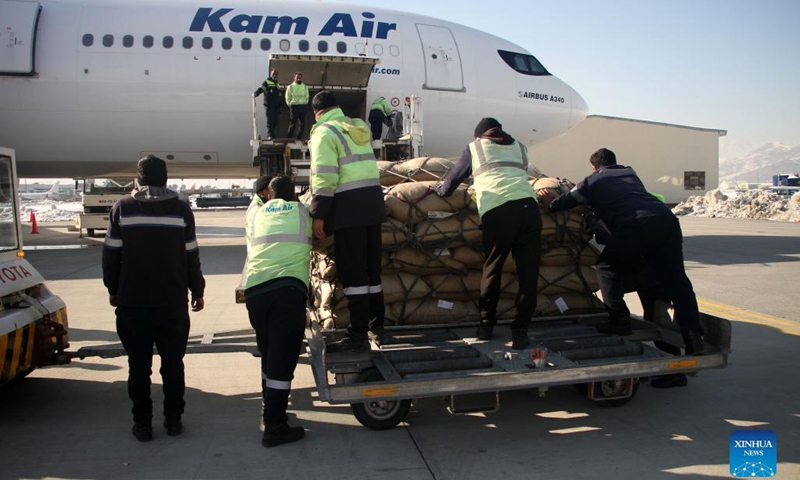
{"points": [[152, 171], [262, 182], [485, 125]]}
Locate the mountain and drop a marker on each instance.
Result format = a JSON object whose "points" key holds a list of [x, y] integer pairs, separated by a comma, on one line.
{"points": [[761, 164]]}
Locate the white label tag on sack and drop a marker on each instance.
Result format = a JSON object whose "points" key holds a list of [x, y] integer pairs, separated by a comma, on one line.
{"points": [[445, 304], [437, 215], [561, 304], [442, 252]]}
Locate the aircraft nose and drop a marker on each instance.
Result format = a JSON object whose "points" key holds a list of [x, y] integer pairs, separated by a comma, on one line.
{"points": [[579, 109]]}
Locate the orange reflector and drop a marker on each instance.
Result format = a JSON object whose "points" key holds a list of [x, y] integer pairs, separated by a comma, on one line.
{"points": [[379, 391], [20, 253], [683, 363]]}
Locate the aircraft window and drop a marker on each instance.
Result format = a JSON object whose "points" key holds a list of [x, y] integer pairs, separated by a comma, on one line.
{"points": [[361, 49], [303, 45], [108, 40], [378, 49], [188, 42], [147, 41], [88, 40], [266, 44], [246, 44], [127, 41], [523, 63], [167, 42], [394, 50], [322, 46], [208, 43], [227, 43], [285, 45], [341, 47]]}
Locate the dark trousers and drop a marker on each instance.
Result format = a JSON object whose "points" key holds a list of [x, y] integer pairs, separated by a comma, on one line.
{"points": [[514, 227], [358, 269], [168, 329], [279, 319], [649, 297], [273, 109], [297, 121], [657, 241], [376, 119]]}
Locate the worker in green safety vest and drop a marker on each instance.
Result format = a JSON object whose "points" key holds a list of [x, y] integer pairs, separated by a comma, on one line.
{"points": [[378, 115], [276, 289], [510, 222], [297, 100], [347, 201]]}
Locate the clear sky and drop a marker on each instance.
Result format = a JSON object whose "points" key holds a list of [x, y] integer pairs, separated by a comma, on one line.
{"points": [[726, 64]]}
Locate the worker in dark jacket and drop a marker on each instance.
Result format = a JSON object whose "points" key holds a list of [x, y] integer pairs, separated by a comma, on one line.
{"points": [[510, 222], [150, 261], [347, 201], [272, 101], [278, 256], [642, 227]]}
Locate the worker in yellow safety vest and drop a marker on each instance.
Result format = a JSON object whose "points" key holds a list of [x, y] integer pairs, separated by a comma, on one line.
{"points": [[261, 191], [378, 115], [347, 201], [276, 288], [510, 222], [297, 100]]}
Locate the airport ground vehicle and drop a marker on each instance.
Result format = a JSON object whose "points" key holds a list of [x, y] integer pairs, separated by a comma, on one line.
{"points": [[99, 195], [448, 361], [33, 320]]}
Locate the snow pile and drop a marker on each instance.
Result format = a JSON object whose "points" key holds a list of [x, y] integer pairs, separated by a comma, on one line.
{"points": [[50, 210], [754, 204]]}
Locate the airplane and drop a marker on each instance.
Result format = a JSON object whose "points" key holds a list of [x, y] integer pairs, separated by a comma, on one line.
{"points": [[87, 87], [56, 192]]}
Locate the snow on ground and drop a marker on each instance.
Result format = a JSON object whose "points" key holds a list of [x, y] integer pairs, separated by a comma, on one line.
{"points": [[50, 210], [754, 204]]}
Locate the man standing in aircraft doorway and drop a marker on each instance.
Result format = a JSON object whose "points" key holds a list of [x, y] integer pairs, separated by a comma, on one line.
{"points": [[150, 262], [272, 101], [297, 100], [510, 222], [347, 201]]}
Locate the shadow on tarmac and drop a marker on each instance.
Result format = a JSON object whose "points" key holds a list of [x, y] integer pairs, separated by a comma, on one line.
{"points": [[718, 250]]}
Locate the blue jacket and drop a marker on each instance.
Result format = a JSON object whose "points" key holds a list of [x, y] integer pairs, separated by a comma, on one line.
{"points": [[150, 253], [616, 195]]}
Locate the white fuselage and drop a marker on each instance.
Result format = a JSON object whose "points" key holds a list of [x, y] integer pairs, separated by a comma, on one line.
{"points": [[93, 110]]}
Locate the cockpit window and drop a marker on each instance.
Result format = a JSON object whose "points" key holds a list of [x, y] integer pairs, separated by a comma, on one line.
{"points": [[523, 63]]}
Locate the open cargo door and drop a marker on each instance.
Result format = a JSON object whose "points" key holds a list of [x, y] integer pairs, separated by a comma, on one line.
{"points": [[324, 72], [18, 21]]}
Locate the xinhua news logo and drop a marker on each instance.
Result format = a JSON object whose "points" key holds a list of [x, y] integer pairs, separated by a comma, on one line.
{"points": [[753, 453]]}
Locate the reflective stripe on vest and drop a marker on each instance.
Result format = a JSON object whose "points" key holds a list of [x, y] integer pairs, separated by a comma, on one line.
{"points": [[484, 166]]}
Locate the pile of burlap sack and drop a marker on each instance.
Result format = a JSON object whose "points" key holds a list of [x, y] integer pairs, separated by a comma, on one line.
{"points": [[432, 255]]}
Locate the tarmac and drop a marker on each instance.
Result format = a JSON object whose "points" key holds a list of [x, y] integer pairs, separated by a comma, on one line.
{"points": [[73, 421]]}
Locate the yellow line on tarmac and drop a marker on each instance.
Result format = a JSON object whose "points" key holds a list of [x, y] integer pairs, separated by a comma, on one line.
{"points": [[741, 315]]}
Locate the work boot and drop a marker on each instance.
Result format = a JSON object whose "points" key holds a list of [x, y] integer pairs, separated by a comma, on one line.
{"points": [[142, 431], [519, 339], [275, 435], [377, 335], [694, 343], [173, 425], [351, 342], [669, 381], [618, 326], [485, 330]]}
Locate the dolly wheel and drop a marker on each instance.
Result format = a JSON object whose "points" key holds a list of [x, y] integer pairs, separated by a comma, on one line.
{"points": [[611, 388], [379, 414]]}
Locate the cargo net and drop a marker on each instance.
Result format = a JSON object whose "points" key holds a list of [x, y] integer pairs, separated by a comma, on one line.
{"points": [[433, 258]]}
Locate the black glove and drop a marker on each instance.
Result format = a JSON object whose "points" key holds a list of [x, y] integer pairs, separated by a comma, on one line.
{"points": [[257, 93]]}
